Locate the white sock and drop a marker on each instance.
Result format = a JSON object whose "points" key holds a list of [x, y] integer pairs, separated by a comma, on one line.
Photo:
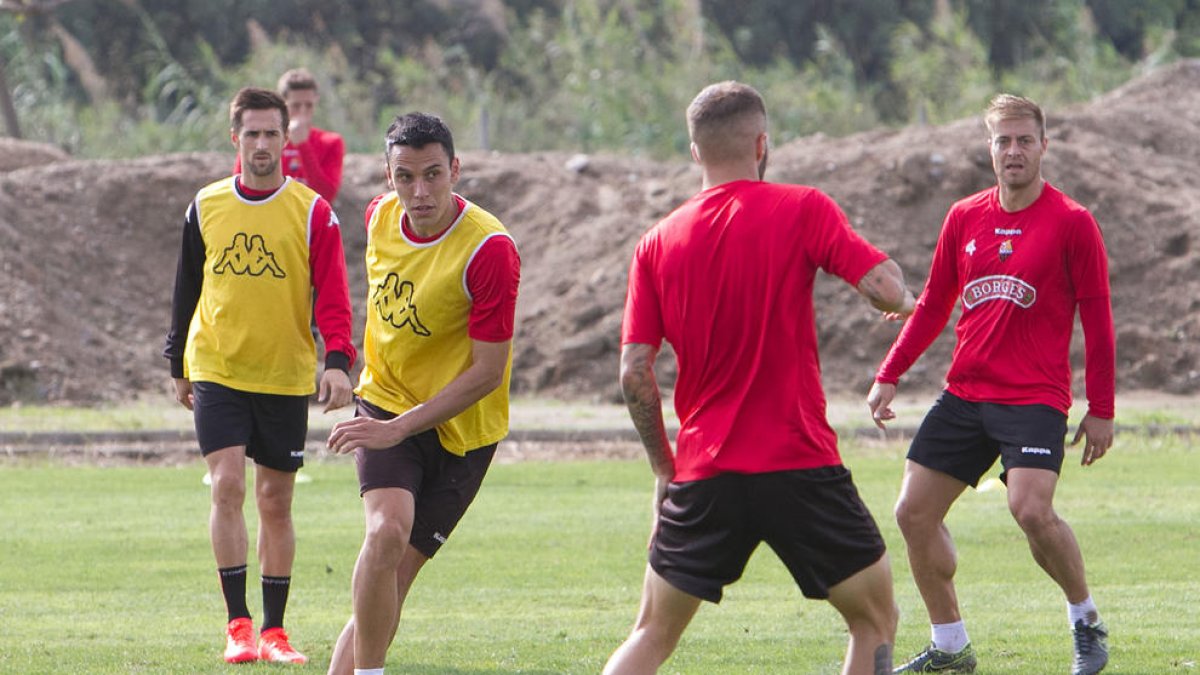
{"points": [[368, 671], [950, 637], [1083, 611]]}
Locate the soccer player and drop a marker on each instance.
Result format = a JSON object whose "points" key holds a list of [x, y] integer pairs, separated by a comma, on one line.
{"points": [[433, 395], [312, 156], [256, 247], [727, 279], [1022, 257]]}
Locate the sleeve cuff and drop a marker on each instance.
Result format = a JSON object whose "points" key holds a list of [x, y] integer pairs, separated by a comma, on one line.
{"points": [[177, 368], [337, 360]]}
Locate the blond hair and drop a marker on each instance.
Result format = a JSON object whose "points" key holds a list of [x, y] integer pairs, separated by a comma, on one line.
{"points": [[725, 119], [1010, 107]]}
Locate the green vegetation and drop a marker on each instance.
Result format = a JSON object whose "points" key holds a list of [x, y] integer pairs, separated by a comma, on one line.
{"points": [[107, 570], [527, 75]]}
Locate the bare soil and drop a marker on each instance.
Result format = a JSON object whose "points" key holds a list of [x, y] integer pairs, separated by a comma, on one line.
{"points": [[88, 248]]}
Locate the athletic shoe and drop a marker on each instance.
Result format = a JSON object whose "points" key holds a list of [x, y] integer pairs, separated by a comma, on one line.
{"points": [[1091, 648], [934, 660], [239, 641], [273, 646]]}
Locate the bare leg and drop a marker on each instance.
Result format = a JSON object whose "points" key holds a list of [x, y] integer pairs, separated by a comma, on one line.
{"points": [[342, 662], [375, 591], [1051, 540], [925, 498], [273, 492], [226, 523], [865, 602], [665, 613]]}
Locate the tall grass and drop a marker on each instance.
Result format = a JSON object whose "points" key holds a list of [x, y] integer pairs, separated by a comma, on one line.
{"points": [[583, 79]]}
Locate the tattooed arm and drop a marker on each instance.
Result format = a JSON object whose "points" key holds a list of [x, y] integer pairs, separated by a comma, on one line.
{"points": [[645, 409], [884, 288]]}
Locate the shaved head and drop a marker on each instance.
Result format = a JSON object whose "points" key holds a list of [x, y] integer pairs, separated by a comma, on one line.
{"points": [[725, 120]]}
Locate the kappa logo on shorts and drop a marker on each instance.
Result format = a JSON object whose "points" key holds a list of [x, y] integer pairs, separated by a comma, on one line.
{"points": [[441, 538], [394, 300], [1026, 450], [998, 287], [248, 255], [297, 454]]}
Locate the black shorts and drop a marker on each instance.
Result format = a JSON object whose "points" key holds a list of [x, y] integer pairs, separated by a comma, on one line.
{"points": [[963, 439], [273, 427], [443, 484], [813, 519]]}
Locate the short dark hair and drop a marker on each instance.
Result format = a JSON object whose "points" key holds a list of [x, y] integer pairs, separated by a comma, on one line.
{"points": [[254, 98], [725, 118], [418, 129], [296, 78]]}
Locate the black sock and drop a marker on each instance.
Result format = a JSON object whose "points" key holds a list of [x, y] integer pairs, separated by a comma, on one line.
{"points": [[275, 595], [233, 587]]}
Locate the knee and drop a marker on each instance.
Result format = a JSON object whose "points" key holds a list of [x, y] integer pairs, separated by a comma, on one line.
{"points": [[387, 536], [274, 503], [876, 623], [274, 506], [228, 492], [1032, 518], [658, 639], [908, 517]]}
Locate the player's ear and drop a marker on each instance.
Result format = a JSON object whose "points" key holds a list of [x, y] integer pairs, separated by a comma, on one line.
{"points": [[455, 167], [695, 153], [387, 175]]}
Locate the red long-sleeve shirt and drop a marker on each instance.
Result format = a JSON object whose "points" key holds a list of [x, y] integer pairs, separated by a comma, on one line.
{"points": [[1020, 277]]}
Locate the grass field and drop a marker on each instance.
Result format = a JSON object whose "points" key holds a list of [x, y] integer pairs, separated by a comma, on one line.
{"points": [[108, 570]]}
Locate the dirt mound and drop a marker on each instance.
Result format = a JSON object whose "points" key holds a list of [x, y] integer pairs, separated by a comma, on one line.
{"points": [[17, 154], [89, 247]]}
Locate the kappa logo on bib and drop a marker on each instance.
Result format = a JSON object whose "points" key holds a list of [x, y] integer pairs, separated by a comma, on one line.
{"points": [[998, 287], [248, 255]]}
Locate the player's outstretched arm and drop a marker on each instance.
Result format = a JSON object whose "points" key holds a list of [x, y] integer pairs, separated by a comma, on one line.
{"points": [[883, 286], [486, 372]]}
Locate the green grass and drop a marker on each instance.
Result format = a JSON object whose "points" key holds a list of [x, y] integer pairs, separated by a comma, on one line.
{"points": [[108, 570]]}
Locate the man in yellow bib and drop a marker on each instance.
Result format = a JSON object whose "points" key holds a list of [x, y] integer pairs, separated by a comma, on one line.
{"points": [[256, 247], [442, 279]]}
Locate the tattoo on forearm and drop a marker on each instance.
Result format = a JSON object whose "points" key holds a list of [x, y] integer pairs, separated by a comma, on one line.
{"points": [[644, 402]]}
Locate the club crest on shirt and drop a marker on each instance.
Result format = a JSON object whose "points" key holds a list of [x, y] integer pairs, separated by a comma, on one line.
{"points": [[248, 255], [394, 301], [1006, 249], [998, 287]]}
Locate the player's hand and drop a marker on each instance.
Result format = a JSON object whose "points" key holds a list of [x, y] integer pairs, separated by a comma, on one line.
{"points": [[183, 392], [363, 432], [907, 307], [335, 390], [1098, 438], [298, 129], [879, 400]]}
